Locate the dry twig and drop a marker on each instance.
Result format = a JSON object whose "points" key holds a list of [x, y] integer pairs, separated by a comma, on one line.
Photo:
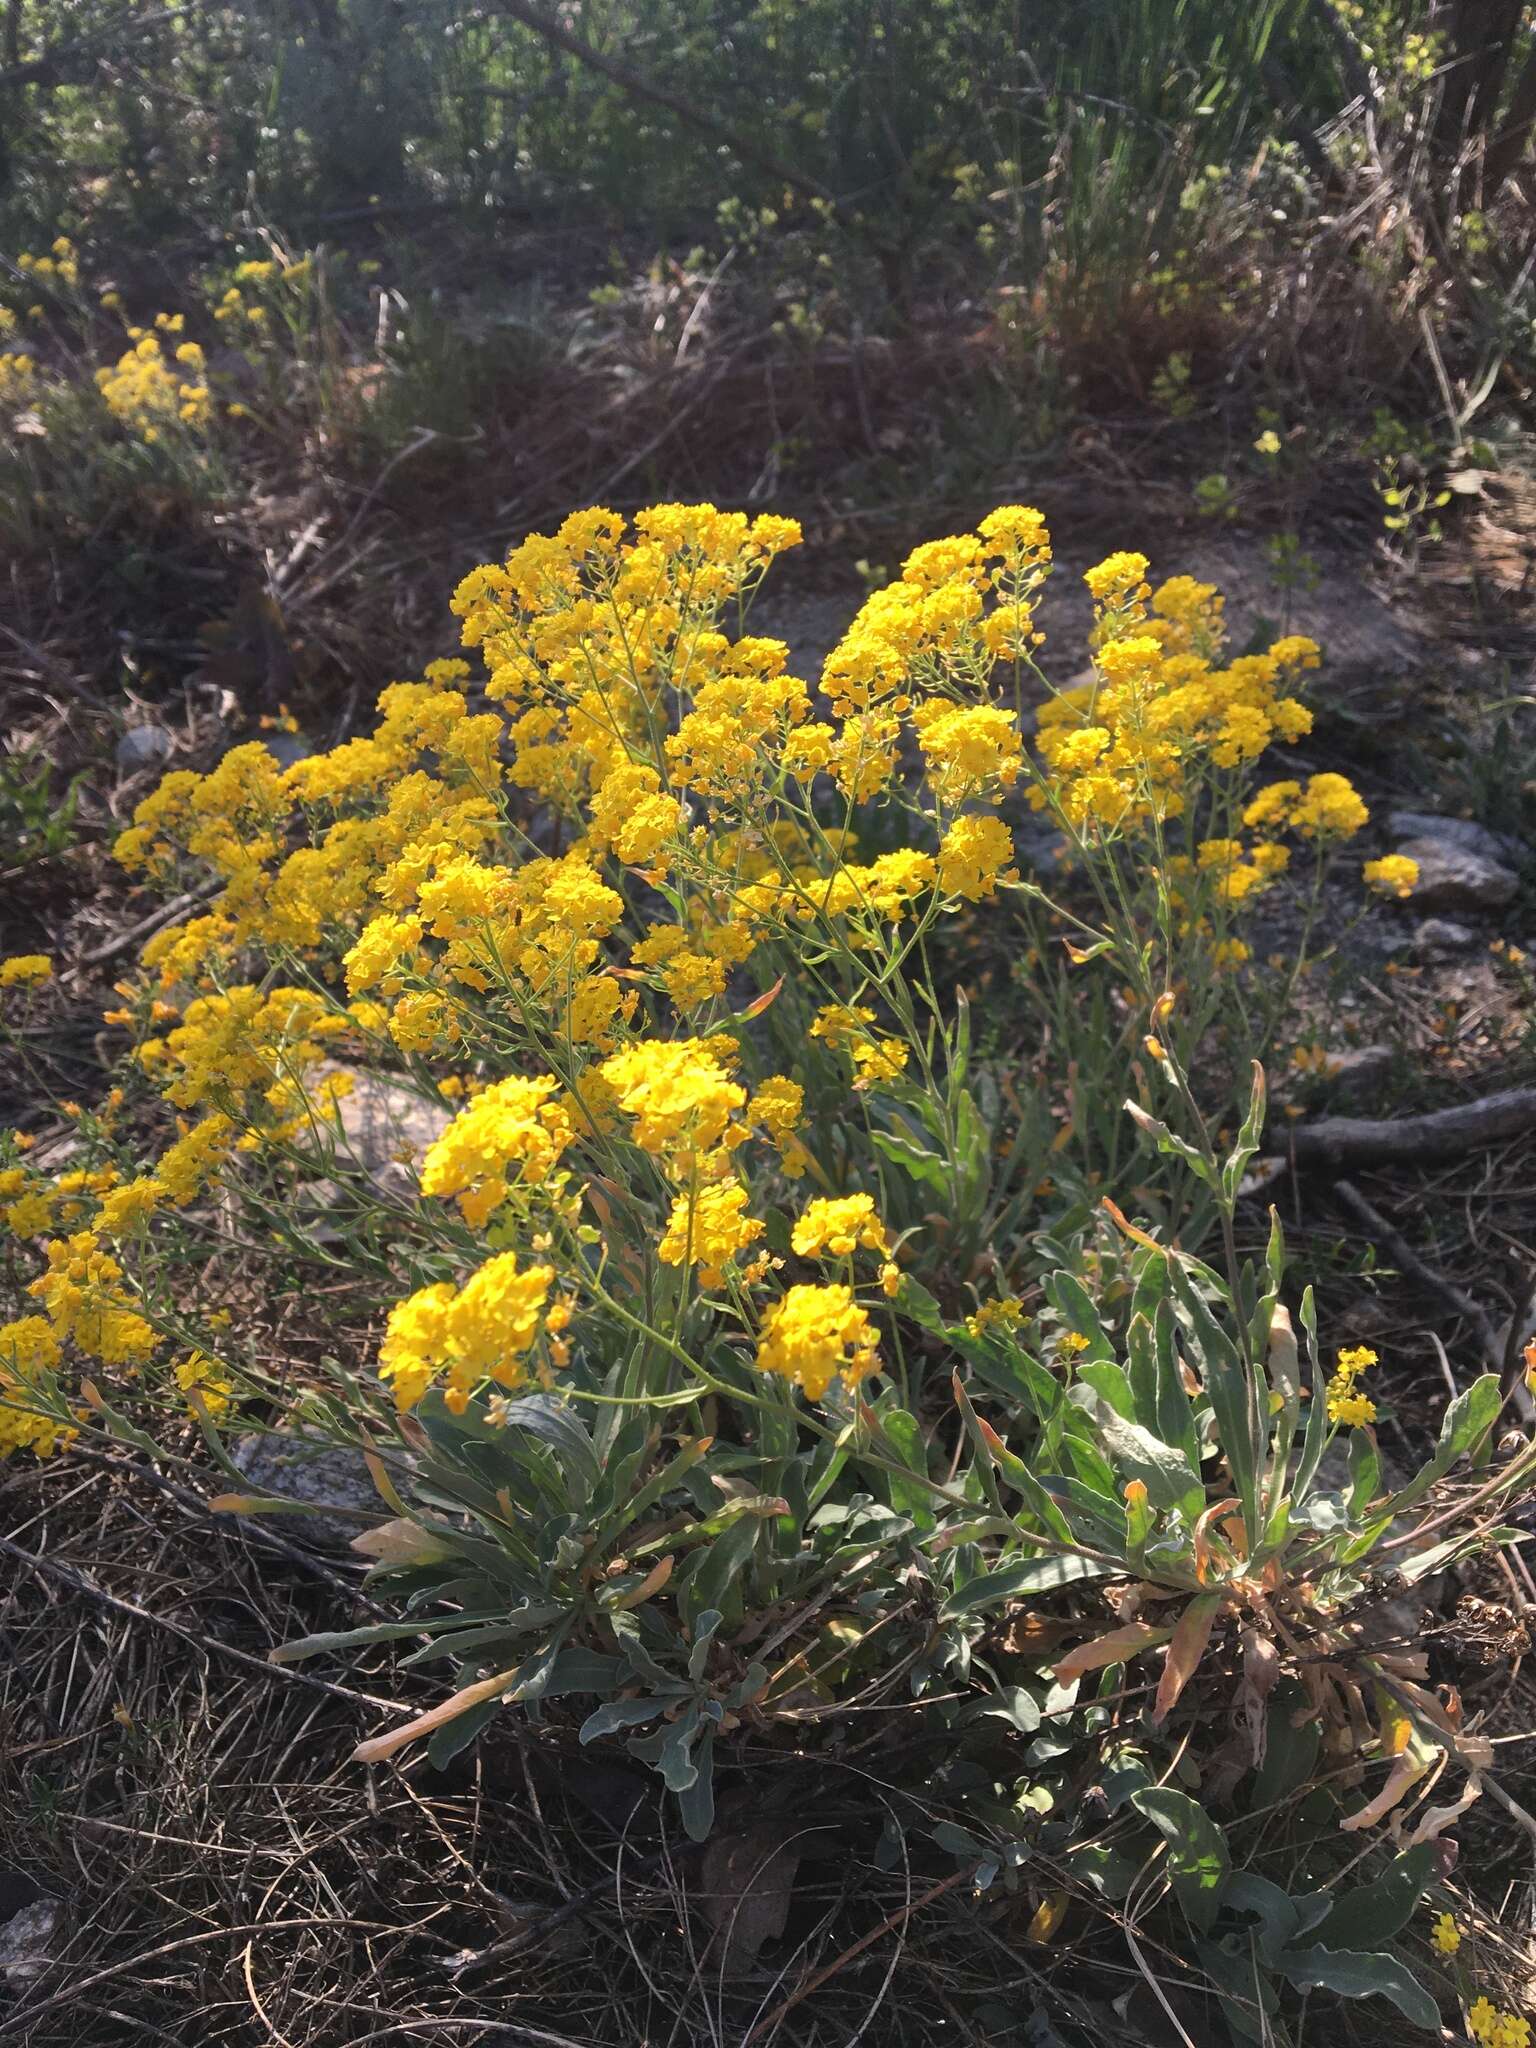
{"points": [[1348, 1141]]}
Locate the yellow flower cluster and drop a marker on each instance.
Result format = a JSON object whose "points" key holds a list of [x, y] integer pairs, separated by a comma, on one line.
{"points": [[840, 1225], [1328, 808], [1006, 1312], [32, 1205], [83, 1295], [1497, 2029], [680, 1098], [1445, 1934], [1345, 1404], [511, 1134], [25, 970], [816, 1335], [234, 309], [18, 378], [1161, 703], [845, 1028], [29, 1353], [1395, 874], [601, 914], [202, 1376], [482, 1330], [149, 392], [243, 1040], [708, 1227], [60, 265]]}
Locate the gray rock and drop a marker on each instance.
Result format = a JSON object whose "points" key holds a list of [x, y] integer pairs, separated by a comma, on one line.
{"points": [[143, 746], [333, 1483], [1439, 938], [1463, 832], [288, 747], [26, 1944], [1452, 877], [382, 1128], [1357, 1069]]}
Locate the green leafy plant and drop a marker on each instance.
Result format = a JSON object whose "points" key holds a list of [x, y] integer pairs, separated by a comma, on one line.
{"points": [[745, 1366], [34, 824]]}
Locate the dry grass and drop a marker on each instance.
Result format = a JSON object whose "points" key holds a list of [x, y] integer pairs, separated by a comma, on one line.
{"points": [[226, 1875]]}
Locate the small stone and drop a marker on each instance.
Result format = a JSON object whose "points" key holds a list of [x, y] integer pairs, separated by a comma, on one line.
{"points": [[288, 747], [26, 1942], [334, 1483], [1438, 938], [1452, 877], [1357, 1069], [386, 1128], [1463, 832], [143, 746], [379, 1128]]}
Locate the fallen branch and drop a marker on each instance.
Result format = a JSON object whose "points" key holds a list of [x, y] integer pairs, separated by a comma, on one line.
{"points": [[163, 913], [1346, 1141]]}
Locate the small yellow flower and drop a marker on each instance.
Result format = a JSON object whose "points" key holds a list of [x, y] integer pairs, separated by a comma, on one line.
{"points": [[1356, 1360], [1395, 874], [26, 970], [838, 1226], [1446, 1935], [1347, 1407], [816, 1335]]}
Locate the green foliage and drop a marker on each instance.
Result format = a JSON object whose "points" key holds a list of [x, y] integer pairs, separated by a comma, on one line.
{"points": [[35, 824]]}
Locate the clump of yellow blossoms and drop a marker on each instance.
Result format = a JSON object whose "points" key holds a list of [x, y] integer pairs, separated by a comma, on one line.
{"points": [[1497, 2029], [623, 911], [29, 1350], [1120, 747], [201, 1376], [1395, 874], [1445, 1934], [1345, 1404], [815, 1335], [60, 265], [1327, 808], [18, 378], [25, 970], [708, 1227], [149, 392], [512, 1134], [840, 1226], [83, 1292], [482, 1330]]}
